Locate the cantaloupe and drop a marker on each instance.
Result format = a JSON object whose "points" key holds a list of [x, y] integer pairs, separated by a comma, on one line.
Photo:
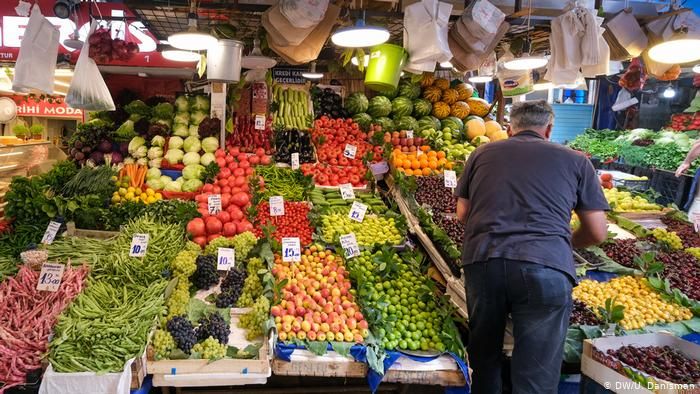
{"points": [[465, 91], [475, 128], [498, 135], [442, 83], [492, 126]]}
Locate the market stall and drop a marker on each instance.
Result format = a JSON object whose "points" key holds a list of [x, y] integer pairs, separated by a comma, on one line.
{"points": [[267, 196]]}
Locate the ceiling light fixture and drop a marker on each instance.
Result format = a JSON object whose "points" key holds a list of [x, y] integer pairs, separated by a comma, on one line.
{"points": [[480, 78], [178, 55], [256, 60], [677, 49], [360, 35], [446, 65], [669, 92], [312, 74], [356, 62], [192, 39]]}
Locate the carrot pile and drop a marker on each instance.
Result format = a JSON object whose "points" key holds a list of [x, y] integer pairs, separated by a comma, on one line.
{"points": [[27, 317], [135, 172]]}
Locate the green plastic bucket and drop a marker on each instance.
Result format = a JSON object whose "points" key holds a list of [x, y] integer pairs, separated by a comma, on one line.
{"points": [[384, 68]]}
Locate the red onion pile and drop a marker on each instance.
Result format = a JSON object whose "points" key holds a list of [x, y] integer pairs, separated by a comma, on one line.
{"points": [[27, 317], [104, 48]]}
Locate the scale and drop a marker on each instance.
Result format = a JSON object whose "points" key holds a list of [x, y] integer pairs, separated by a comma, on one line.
{"points": [[8, 112]]}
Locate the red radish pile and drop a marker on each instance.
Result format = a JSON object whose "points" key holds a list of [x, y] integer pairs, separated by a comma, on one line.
{"points": [[247, 138], [232, 184], [27, 317], [104, 48], [294, 222]]}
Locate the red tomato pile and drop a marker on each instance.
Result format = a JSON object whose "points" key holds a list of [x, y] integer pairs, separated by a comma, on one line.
{"points": [[232, 184], [259, 158], [294, 222], [329, 175], [685, 121]]}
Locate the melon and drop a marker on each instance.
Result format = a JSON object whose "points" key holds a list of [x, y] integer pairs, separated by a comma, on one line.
{"points": [[475, 128], [428, 122], [480, 140], [498, 135], [422, 107], [432, 94], [492, 127], [450, 96], [454, 123], [441, 110], [478, 106], [442, 83], [386, 123], [401, 106], [379, 106], [428, 79], [363, 119], [465, 91], [407, 89], [460, 109], [356, 103]]}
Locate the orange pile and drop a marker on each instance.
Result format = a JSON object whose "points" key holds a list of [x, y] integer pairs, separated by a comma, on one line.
{"points": [[426, 163]]}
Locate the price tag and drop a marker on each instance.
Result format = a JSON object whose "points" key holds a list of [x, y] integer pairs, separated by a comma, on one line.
{"points": [[50, 276], [450, 179], [379, 168], [295, 161], [139, 244], [291, 249], [696, 222], [357, 211], [276, 206], [350, 151], [226, 259], [419, 153], [346, 191], [409, 133], [259, 122], [50, 232], [214, 204], [349, 243]]}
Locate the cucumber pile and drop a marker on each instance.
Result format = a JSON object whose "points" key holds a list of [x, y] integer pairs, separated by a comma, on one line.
{"points": [[292, 108], [331, 201]]}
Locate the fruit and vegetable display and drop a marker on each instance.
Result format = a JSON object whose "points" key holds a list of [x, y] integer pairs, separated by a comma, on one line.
{"points": [[625, 201], [293, 223], [190, 112], [274, 181], [328, 103], [374, 229], [662, 362], [428, 162], [250, 138], [331, 201], [290, 141], [292, 108], [685, 121]]}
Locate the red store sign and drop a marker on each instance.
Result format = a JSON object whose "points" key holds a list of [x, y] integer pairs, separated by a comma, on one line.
{"points": [[12, 28], [44, 109]]}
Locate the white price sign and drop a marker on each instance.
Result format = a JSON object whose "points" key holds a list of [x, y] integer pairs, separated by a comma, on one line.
{"points": [[226, 259], [350, 151], [291, 249], [259, 122], [409, 133], [379, 168], [295, 161], [276, 206], [349, 243], [357, 211], [214, 204], [696, 222], [50, 276], [139, 244], [50, 232], [450, 179], [346, 191]]}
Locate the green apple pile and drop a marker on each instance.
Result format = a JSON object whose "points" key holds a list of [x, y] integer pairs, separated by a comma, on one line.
{"points": [[450, 141]]}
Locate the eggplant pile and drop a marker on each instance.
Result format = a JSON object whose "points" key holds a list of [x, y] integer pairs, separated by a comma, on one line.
{"points": [[328, 103], [290, 141]]}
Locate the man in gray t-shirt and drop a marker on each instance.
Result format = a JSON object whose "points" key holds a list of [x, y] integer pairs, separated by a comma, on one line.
{"points": [[515, 198]]}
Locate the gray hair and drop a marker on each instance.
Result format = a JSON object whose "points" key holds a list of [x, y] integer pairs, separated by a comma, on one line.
{"points": [[529, 114]]}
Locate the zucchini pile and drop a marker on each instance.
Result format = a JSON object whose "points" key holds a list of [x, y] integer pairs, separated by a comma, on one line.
{"points": [[330, 201]]}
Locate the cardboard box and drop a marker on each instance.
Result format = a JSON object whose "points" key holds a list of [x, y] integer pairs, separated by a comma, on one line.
{"points": [[612, 377]]}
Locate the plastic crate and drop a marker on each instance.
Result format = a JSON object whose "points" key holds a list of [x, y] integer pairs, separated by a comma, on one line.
{"points": [[596, 162], [622, 167], [673, 190], [634, 185], [643, 171]]}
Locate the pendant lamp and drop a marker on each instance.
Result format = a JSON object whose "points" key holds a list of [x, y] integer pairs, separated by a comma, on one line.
{"points": [[192, 39], [256, 60], [679, 49], [312, 74], [178, 55], [360, 35]]}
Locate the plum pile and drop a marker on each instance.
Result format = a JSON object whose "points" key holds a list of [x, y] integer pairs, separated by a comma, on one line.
{"points": [[683, 271], [685, 231], [623, 252], [451, 226], [661, 362], [432, 192], [583, 315]]}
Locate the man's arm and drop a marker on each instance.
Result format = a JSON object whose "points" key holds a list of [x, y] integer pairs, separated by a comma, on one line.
{"points": [[689, 158], [593, 229], [462, 210]]}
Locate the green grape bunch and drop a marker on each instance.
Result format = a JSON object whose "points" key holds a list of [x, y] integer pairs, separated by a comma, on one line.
{"points": [[163, 344], [183, 266], [179, 299], [243, 243], [210, 349], [254, 320], [252, 287], [669, 239]]}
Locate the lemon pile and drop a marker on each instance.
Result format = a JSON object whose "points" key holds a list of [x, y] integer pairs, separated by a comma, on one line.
{"points": [[135, 194], [624, 201], [643, 306]]}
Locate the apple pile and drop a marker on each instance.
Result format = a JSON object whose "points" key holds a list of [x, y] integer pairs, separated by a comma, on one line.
{"points": [[398, 139], [317, 303]]}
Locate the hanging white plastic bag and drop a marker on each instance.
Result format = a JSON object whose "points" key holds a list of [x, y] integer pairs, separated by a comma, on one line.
{"points": [[425, 31], [88, 89], [513, 82], [36, 62], [304, 14]]}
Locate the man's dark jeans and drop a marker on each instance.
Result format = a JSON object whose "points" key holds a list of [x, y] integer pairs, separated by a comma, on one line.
{"points": [[539, 301]]}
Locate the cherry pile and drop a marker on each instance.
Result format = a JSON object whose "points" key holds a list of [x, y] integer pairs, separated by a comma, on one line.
{"points": [[661, 362], [685, 231], [683, 271], [623, 252], [432, 192], [453, 228], [583, 315]]}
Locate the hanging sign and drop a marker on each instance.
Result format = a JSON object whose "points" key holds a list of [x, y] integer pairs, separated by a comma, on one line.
{"points": [[289, 76]]}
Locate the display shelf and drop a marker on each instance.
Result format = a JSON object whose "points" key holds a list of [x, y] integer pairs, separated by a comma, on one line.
{"points": [[72, 231]]}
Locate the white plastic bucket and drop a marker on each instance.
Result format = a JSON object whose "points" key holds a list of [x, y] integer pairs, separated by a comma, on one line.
{"points": [[224, 61]]}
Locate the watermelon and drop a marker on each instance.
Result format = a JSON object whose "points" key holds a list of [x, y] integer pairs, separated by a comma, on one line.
{"points": [[407, 123], [401, 106], [363, 119], [356, 103], [407, 89], [390, 94], [386, 123], [422, 107], [428, 122], [379, 106], [453, 123]]}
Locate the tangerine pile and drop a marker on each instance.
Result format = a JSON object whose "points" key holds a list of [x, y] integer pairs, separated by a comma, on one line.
{"points": [[422, 162]]}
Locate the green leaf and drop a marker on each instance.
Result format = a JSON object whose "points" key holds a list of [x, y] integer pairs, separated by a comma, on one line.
{"points": [[231, 351], [318, 348], [342, 348], [196, 309], [178, 354], [211, 298]]}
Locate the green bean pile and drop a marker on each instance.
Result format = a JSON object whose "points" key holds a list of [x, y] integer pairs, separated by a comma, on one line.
{"points": [[79, 250], [285, 182], [105, 326]]}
